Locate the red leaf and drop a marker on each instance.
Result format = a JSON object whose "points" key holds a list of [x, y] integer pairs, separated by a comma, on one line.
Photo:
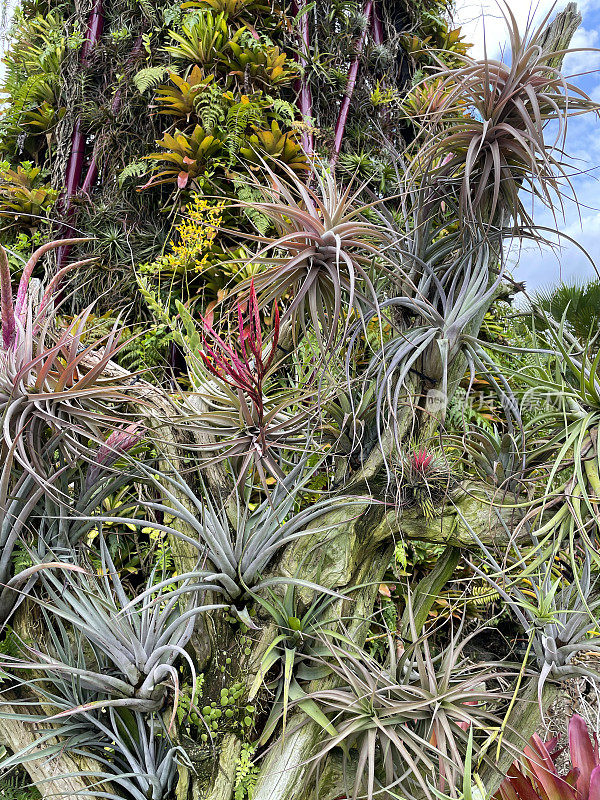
{"points": [[584, 756], [594, 793]]}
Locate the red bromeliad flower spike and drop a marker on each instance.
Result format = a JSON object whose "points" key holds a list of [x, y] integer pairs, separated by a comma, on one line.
{"points": [[421, 461], [246, 369]]}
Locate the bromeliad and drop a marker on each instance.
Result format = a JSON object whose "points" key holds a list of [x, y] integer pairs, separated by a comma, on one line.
{"points": [[245, 416], [536, 776]]}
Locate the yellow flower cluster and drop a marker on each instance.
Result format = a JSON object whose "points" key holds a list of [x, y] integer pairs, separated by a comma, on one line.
{"points": [[196, 234]]}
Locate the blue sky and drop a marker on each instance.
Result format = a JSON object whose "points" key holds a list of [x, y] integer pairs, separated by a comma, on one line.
{"points": [[542, 268]]}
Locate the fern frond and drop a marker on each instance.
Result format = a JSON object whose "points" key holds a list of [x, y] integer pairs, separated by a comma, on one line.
{"points": [[209, 108], [240, 118], [283, 111], [148, 78], [134, 170], [248, 194]]}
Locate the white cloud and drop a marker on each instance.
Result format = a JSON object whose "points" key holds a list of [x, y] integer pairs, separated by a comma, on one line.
{"points": [[479, 17], [542, 267]]}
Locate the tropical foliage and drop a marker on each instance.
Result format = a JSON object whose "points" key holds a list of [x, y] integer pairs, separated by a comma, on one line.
{"points": [[295, 501]]}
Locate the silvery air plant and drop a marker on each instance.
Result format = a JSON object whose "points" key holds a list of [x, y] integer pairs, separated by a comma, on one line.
{"points": [[560, 620], [135, 642], [110, 676]]}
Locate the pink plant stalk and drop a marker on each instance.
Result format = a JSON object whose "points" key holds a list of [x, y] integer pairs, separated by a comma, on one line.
{"points": [[340, 127], [6, 302], [94, 31], [305, 95], [119, 442], [75, 164], [377, 26], [77, 155]]}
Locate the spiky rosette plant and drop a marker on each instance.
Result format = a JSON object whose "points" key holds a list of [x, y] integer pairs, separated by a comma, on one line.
{"points": [[233, 547], [45, 384], [385, 713], [487, 155], [135, 644], [325, 252], [250, 419], [52, 516], [424, 480]]}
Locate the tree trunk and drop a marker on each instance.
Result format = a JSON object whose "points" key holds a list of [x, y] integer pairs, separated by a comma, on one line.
{"points": [[48, 775]]}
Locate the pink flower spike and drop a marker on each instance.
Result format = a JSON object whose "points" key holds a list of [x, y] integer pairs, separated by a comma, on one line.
{"points": [[254, 315], [6, 302], [119, 442]]}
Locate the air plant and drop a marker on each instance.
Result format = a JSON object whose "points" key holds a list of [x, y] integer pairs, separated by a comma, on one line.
{"points": [[560, 621], [349, 420], [425, 480], [563, 377], [408, 720], [236, 552], [324, 248], [534, 775], [486, 156], [45, 385], [144, 760], [134, 645], [120, 441], [126, 749], [53, 516], [494, 455], [294, 650], [444, 301], [249, 420]]}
